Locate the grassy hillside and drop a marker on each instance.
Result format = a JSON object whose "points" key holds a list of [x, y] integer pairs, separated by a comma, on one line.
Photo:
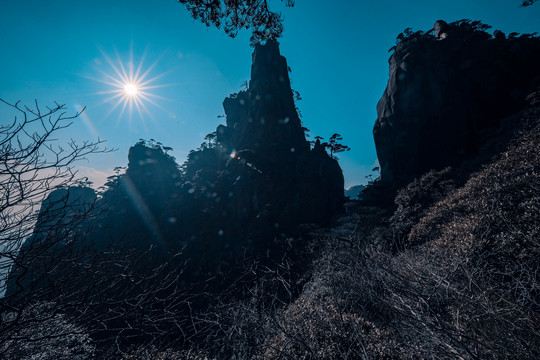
{"points": [[451, 271]]}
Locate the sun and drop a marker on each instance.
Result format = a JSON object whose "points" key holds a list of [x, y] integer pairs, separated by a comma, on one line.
{"points": [[130, 85], [131, 89]]}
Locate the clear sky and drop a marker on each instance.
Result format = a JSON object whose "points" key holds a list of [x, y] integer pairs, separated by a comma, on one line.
{"points": [[64, 51]]}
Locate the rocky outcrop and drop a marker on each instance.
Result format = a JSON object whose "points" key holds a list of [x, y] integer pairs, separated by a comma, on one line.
{"points": [[245, 190], [445, 87], [263, 118], [58, 225], [153, 174], [264, 131], [243, 196]]}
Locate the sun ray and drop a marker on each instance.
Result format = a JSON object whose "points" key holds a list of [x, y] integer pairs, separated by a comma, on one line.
{"points": [[143, 88], [131, 84], [105, 92], [118, 103], [148, 97], [124, 74], [131, 62], [150, 68], [113, 66], [118, 95], [138, 106], [139, 67], [156, 77], [114, 83]]}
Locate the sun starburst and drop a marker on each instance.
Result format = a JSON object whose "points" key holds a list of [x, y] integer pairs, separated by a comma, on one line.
{"points": [[130, 86]]}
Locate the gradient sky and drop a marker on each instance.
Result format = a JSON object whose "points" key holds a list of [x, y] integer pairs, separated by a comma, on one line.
{"points": [[57, 50]]}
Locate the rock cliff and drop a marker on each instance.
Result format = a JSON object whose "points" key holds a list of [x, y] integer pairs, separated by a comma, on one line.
{"points": [[58, 224], [264, 131], [445, 87]]}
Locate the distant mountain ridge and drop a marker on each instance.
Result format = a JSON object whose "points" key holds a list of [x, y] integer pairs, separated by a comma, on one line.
{"points": [[353, 192]]}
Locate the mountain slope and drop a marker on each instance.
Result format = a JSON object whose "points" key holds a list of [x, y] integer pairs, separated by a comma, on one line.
{"points": [[464, 285]]}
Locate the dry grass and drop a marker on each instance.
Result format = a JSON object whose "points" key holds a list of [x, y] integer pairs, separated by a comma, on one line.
{"points": [[463, 284]]}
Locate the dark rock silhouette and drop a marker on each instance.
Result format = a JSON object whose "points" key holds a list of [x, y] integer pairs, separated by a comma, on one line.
{"points": [[212, 227], [263, 118], [264, 131], [140, 206], [58, 224], [260, 179], [63, 207], [238, 197], [443, 90]]}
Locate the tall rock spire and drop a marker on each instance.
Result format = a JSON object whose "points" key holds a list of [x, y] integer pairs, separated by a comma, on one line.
{"points": [[263, 118], [263, 127]]}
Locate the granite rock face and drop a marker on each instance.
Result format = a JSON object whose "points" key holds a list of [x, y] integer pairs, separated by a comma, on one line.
{"points": [[446, 86], [264, 117], [264, 130], [58, 223], [153, 174]]}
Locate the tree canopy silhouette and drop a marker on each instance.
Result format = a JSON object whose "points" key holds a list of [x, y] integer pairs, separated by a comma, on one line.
{"points": [[334, 146], [233, 15]]}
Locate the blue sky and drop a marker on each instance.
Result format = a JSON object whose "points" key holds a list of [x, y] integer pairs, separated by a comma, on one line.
{"points": [[338, 51]]}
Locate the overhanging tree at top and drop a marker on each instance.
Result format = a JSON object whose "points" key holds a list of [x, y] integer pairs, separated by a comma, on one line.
{"points": [[233, 15]]}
